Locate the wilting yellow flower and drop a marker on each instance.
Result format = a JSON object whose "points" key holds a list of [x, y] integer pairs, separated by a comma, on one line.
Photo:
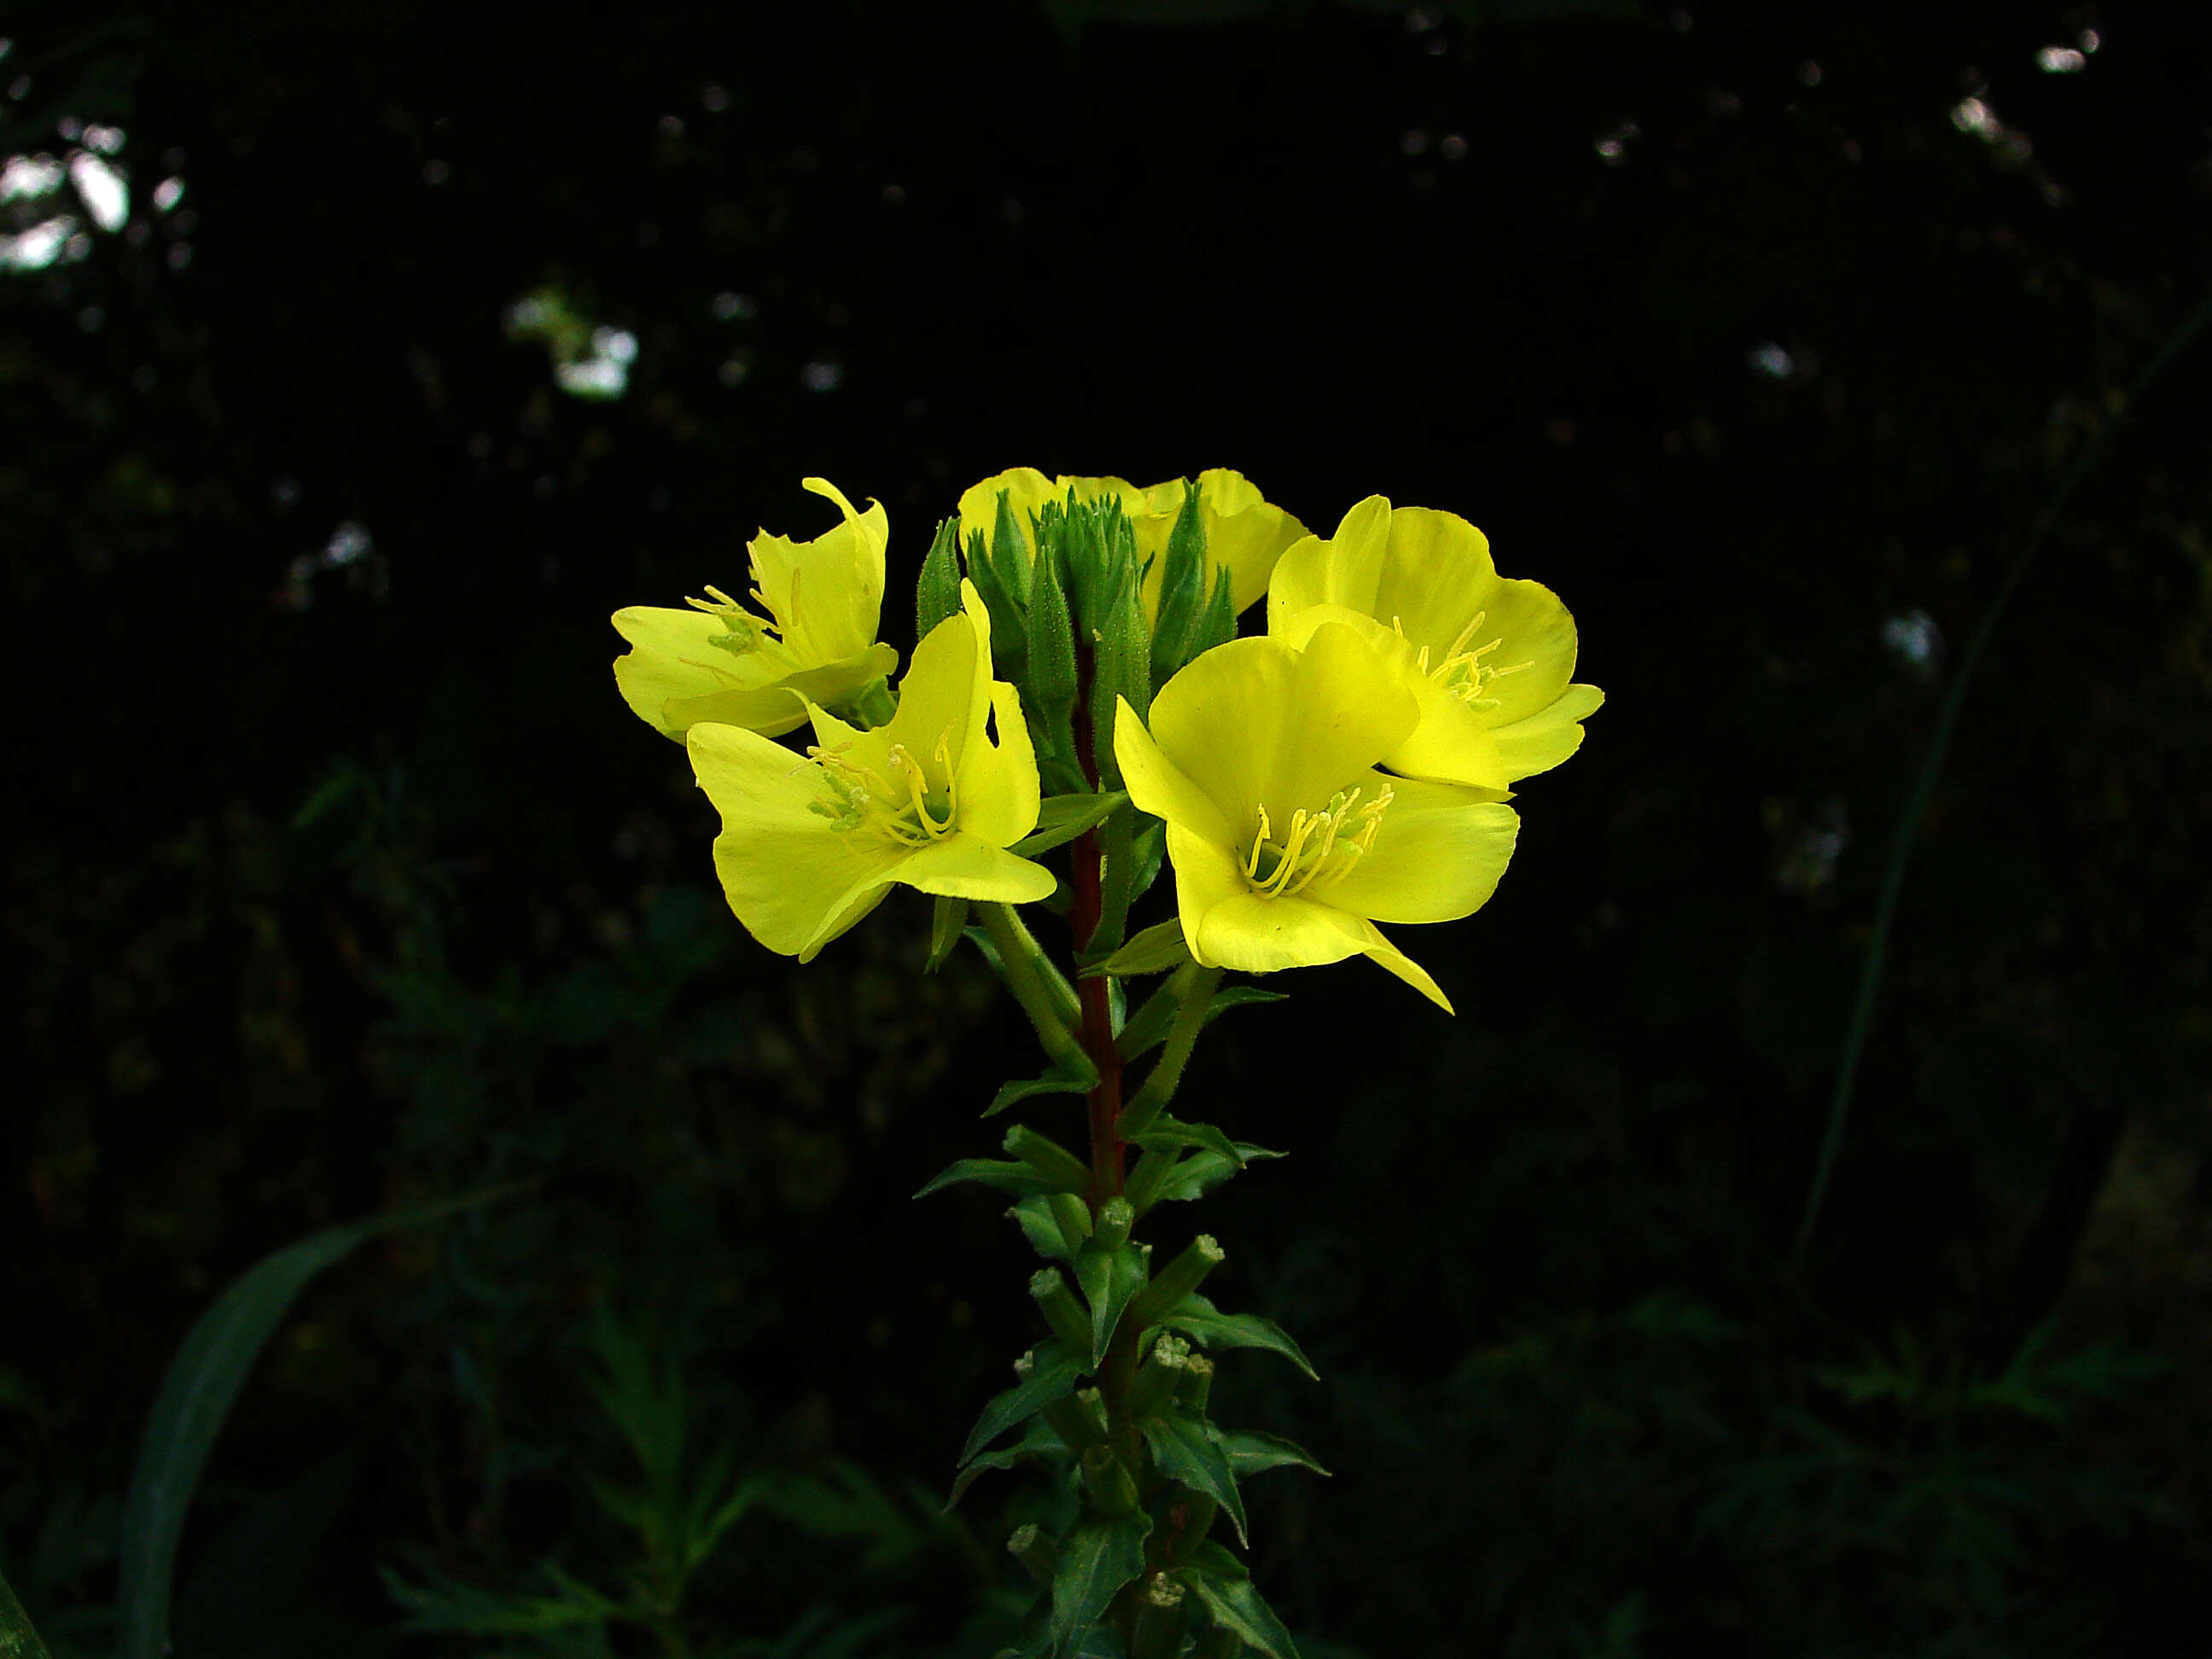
{"points": [[720, 663], [1245, 534], [810, 846], [1288, 844], [1489, 661]]}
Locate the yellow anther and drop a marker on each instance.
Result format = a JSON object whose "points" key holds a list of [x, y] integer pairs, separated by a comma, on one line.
{"points": [[1320, 847]]}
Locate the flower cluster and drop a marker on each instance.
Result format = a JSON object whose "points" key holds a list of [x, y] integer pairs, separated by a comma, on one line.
{"points": [[1347, 768], [1079, 689]]}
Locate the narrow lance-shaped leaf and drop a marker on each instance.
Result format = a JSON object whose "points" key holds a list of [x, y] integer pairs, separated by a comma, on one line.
{"points": [[1150, 1024], [1199, 1319], [1109, 1276], [1096, 1559], [1007, 1176], [196, 1395], [1158, 949], [1184, 1452], [946, 923], [1250, 1452], [1062, 819], [1052, 1377], [1234, 1604], [1052, 1083]]}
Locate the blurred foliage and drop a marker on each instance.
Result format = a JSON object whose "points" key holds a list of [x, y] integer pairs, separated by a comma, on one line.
{"points": [[339, 879]]}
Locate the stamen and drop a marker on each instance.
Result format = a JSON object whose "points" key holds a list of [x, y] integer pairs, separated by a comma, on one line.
{"points": [[1320, 847]]}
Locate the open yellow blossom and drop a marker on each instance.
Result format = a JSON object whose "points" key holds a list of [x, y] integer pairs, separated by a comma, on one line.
{"points": [[810, 846], [1288, 844], [721, 662], [1489, 661], [1244, 533]]}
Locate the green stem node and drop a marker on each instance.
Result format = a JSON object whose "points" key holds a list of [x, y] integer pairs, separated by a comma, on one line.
{"points": [[1107, 1481], [1061, 1310]]}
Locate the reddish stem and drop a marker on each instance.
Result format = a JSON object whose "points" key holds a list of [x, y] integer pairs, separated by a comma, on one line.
{"points": [[1106, 1146]]}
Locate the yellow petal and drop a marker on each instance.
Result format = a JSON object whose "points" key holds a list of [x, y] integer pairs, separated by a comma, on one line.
{"points": [[1434, 575], [1346, 569], [672, 656], [1387, 955], [1259, 934], [1548, 735], [946, 694], [775, 709], [1428, 864], [825, 595], [1028, 489], [1256, 725], [998, 786], [1451, 742], [792, 878], [964, 866], [1206, 874], [1532, 626], [1158, 786]]}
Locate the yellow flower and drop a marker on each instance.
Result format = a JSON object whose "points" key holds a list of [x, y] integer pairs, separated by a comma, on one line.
{"points": [[810, 846], [720, 663], [1489, 661], [1288, 844], [1244, 533]]}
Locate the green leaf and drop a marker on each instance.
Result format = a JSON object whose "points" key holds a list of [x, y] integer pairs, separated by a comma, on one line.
{"points": [[1198, 1318], [1052, 1083], [1250, 1452], [1034, 1216], [1062, 819], [17, 1639], [1109, 1277], [1165, 1131], [1234, 1604], [1038, 1441], [1096, 1557], [1053, 1379], [1149, 1024], [946, 923], [1184, 1451], [1201, 1172], [196, 1395], [1007, 1177], [937, 593], [1155, 950]]}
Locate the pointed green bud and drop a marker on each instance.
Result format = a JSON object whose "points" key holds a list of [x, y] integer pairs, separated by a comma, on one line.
{"points": [[1061, 1310], [1121, 668], [1052, 678], [1010, 549], [1035, 1552], [1177, 1280], [1048, 1157], [937, 593], [1008, 606], [1182, 588], [1107, 1481], [1217, 624]]}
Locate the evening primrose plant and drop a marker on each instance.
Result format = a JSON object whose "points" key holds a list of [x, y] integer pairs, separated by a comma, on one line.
{"points": [[1079, 717]]}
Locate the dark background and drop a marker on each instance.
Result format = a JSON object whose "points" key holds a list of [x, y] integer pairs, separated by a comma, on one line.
{"points": [[338, 878]]}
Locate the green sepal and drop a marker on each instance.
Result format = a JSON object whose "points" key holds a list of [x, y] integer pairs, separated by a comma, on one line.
{"points": [[1096, 1557], [1062, 819], [1108, 1277], [937, 590], [1038, 1441], [1052, 1083], [1008, 1177], [1183, 590], [1184, 1451], [1010, 616], [1155, 950], [1149, 1025], [946, 923], [1053, 1377], [1216, 623], [1199, 1319], [1121, 668], [1010, 549], [1250, 1452], [1234, 1604]]}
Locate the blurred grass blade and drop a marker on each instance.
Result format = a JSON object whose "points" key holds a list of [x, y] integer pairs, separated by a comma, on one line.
{"points": [[203, 1383], [17, 1639]]}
